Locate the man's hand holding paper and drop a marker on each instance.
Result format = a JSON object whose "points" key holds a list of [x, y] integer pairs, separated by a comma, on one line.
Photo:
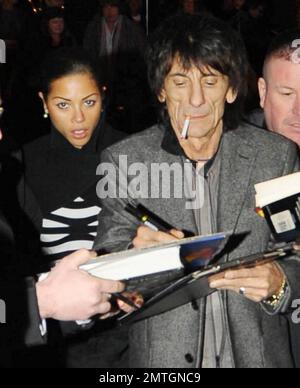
{"points": [[257, 284]]}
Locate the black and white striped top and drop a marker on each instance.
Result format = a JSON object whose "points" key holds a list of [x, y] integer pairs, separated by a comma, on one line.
{"points": [[70, 228]]}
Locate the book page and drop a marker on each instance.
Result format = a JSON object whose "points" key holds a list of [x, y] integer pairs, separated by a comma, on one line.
{"points": [[277, 189], [160, 258], [121, 268]]}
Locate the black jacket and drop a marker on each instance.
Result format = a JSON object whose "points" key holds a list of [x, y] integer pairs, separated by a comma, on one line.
{"points": [[19, 295], [44, 175]]}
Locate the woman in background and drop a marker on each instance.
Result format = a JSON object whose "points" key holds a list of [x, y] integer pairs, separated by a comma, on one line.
{"points": [[59, 191], [54, 29]]}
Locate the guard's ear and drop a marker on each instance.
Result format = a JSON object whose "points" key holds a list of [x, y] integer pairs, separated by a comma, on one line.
{"points": [[262, 88], [231, 96]]}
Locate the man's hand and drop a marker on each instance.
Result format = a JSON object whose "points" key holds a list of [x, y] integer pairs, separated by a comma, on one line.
{"points": [[258, 283], [135, 297], [297, 246], [147, 237], [70, 294]]}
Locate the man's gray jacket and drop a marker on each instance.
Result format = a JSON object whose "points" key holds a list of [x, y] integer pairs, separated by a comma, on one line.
{"points": [[259, 335]]}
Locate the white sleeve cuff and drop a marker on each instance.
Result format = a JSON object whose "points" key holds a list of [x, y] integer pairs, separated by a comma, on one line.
{"points": [[43, 324], [43, 327]]}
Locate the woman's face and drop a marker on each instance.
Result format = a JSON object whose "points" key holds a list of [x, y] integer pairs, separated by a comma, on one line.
{"points": [[74, 105], [238, 4], [56, 26]]}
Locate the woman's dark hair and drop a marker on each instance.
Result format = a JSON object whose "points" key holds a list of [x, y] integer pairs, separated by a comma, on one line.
{"points": [[204, 42], [63, 62], [53, 13]]}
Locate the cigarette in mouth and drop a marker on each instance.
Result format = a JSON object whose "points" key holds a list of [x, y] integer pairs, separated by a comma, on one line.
{"points": [[186, 127]]}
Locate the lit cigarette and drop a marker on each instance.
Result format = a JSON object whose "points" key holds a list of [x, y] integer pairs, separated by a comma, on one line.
{"points": [[186, 127]]}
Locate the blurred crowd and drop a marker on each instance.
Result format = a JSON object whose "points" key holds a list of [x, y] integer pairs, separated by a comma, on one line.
{"points": [[115, 33]]}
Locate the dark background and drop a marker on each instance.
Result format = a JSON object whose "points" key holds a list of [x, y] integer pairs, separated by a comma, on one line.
{"points": [[281, 13], [23, 119]]}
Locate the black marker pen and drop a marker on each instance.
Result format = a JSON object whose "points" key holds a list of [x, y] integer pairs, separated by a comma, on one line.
{"points": [[148, 218]]}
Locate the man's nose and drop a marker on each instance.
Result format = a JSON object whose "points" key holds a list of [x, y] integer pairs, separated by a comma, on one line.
{"points": [[196, 96]]}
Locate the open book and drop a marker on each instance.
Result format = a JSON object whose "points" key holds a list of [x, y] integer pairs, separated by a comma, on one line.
{"points": [[188, 254], [278, 200], [171, 275]]}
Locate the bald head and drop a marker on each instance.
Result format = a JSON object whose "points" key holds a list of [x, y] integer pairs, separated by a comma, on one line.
{"points": [[279, 88]]}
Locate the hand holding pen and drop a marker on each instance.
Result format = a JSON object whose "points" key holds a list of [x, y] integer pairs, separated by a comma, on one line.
{"points": [[146, 237], [154, 230]]}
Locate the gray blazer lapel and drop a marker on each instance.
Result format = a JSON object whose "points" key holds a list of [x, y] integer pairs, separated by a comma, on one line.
{"points": [[237, 164]]}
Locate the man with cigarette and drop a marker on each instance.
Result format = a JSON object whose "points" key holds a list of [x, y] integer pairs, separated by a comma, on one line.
{"points": [[197, 68]]}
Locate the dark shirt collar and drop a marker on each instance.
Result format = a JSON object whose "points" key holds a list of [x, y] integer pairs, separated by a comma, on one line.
{"points": [[59, 142], [171, 145]]}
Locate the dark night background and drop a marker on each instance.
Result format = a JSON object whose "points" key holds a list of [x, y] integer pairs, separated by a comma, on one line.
{"points": [[281, 13], [23, 118]]}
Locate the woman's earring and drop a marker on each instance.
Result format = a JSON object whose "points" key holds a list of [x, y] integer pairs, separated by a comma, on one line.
{"points": [[46, 114]]}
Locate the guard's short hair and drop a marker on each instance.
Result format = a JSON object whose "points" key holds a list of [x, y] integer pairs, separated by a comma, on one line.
{"points": [[284, 45]]}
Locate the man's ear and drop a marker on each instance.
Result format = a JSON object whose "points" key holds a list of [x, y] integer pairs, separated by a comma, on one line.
{"points": [[231, 96], [162, 96], [262, 88]]}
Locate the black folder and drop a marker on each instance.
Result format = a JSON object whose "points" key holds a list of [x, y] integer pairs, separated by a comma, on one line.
{"points": [[182, 289]]}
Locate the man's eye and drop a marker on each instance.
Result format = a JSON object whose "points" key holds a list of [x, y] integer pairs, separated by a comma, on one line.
{"points": [[286, 93], [90, 103], [179, 82], [62, 105], [210, 82]]}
